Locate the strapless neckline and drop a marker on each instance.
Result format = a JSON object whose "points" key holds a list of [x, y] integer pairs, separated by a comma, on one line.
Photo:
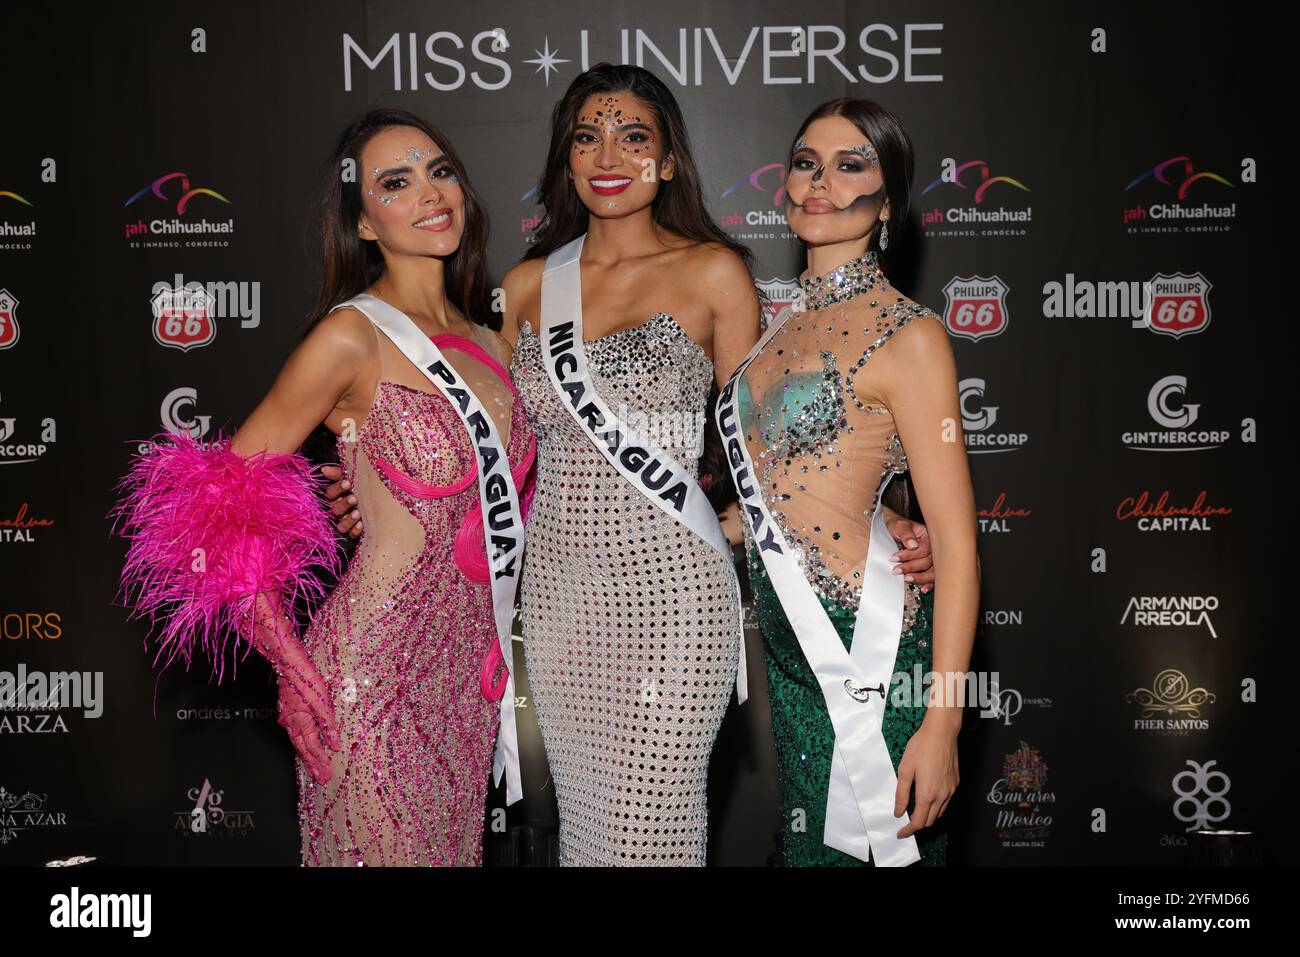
{"points": [[656, 319]]}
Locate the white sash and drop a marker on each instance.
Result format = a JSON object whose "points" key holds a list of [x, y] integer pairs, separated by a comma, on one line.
{"points": [[503, 524], [651, 471], [860, 804]]}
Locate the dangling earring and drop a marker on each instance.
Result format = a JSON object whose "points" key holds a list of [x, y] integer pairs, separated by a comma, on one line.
{"points": [[884, 233]]}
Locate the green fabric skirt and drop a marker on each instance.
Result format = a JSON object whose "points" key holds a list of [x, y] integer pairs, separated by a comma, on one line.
{"points": [[805, 737]]}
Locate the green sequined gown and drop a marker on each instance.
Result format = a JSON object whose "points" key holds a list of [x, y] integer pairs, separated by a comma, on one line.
{"points": [[823, 443]]}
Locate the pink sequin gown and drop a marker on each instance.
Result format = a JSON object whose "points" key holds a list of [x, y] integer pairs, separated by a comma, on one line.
{"points": [[401, 640]]}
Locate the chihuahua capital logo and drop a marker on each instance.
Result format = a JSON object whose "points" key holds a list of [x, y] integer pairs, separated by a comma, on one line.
{"points": [[180, 230], [8, 319], [970, 215]]}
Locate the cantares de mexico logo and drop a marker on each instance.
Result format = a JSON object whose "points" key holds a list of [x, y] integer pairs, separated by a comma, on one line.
{"points": [[188, 227]]}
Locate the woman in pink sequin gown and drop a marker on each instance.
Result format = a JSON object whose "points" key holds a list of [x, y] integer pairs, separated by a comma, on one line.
{"points": [[401, 641], [391, 698], [402, 638]]}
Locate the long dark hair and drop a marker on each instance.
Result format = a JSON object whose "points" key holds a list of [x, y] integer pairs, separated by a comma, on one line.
{"points": [[349, 263], [893, 148], [678, 205]]}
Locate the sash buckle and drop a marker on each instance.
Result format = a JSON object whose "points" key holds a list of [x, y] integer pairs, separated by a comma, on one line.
{"points": [[863, 693]]}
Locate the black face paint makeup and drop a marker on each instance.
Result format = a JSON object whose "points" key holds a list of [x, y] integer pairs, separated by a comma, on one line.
{"points": [[861, 204]]}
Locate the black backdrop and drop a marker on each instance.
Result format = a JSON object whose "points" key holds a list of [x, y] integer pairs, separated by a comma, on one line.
{"points": [[1104, 148]]}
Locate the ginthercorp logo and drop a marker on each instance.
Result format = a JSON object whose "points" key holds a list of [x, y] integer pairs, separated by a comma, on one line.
{"points": [[1161, 513], [22, 811], [1171, 705], [33, 702], [30, 450], [977, 200], [1171, 611], [176, 416], [1000, 518], [977, 421], [1167, 406], [9, 330], [1201, 795], [185, 314], [1023, 800], [977, 307], [15, 235], [690, 56], [187, 228], [1169, 304], [1173, 196], [205, 815]]}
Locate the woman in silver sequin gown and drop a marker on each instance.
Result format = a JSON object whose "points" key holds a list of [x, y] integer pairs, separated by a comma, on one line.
{"points": [[630, 619]]}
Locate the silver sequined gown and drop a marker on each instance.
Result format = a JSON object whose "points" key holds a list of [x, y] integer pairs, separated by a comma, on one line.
{"points": [[629, 618]]}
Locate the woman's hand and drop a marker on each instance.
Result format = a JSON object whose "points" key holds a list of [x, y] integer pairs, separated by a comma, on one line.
{"points": [[731, 527], [297, 717], [342, 502], [929, 762], [914, 559]]}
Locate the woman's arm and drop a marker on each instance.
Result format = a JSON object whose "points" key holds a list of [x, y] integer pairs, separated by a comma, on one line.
{"points": [[919, 383], [733, 303], [329, 378]]}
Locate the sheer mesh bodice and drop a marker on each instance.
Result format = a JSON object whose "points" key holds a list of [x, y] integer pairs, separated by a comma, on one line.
{"points": [[821, 441]]}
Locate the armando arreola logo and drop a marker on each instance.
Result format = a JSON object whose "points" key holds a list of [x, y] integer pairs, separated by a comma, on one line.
{"points": [[185, 314]]}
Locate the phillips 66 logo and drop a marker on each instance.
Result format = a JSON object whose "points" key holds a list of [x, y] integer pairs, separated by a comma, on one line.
{"points": [[8, 319], [977, 307], [1178, 304], [182, 316]]}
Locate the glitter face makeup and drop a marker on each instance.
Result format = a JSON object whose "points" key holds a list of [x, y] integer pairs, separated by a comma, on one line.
{"points": [[615, 143], [848, 178], [402, 190]]}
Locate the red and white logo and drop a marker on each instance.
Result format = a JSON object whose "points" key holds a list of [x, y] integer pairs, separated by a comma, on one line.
{"points": [[1178, 304], [8, 319], [182, 316], [977, 307]]}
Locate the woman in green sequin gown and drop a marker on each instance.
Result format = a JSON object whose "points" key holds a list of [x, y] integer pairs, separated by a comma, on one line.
{"points": [[825, 427], [805, 740]]}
